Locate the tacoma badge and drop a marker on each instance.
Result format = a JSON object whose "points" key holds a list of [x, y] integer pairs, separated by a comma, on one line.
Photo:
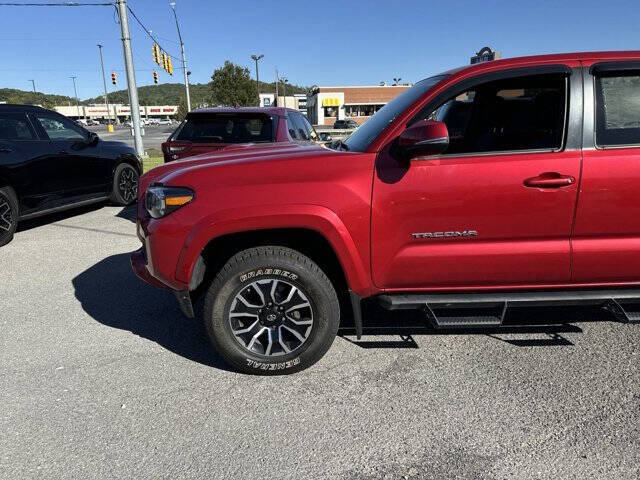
{"points": [[464, 233]]}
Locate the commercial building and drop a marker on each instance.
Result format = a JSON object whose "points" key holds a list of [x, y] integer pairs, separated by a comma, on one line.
{"points": [[121, 112], [325, 105]]}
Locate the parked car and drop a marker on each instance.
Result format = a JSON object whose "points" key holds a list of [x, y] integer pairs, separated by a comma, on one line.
{"points": [[345, 124], [50, 163], [221, 129], [165, 121], [501, 184]]}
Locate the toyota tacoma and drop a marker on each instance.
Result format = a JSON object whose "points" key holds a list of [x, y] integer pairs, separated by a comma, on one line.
{"points": [[501, 184]]}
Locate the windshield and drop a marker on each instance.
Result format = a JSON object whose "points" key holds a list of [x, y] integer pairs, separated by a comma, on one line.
{"points": [[227, 128], [360, 140]]}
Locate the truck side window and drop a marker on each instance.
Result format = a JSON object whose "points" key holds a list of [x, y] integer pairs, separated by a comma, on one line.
{"points": [[291, 127], [300, 127], [526, 113], [618, 109]]}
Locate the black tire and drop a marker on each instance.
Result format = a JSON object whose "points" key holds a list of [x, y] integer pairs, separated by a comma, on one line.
{"points": [[125, 185], [8, 215], [285, 268]]}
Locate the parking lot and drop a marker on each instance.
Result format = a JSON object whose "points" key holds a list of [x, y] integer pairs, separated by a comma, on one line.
{"points": [[152, 139], [102, 377]]}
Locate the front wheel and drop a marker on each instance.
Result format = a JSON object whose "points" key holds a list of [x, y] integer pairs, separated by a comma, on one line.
{"points": [[125, 185], [271, 311], [8, 215]]}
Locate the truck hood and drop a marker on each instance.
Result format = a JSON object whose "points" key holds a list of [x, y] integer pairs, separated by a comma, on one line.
{"points": [[219, 159]]}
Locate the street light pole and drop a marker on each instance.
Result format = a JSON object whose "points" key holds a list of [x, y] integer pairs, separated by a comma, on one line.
{"points": [[184, 58], [277, 83], [75, 92], [104, 83], [33, 83], [284, 81], [257, 58], [131, 76]]}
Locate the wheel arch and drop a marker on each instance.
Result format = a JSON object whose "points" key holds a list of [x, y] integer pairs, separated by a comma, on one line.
{"points": [[304, 240]]}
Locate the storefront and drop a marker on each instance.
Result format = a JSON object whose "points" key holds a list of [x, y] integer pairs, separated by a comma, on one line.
{"points": [[325, 105]]}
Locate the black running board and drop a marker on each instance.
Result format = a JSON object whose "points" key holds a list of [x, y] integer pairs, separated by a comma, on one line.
{"points": [[450, 310]]}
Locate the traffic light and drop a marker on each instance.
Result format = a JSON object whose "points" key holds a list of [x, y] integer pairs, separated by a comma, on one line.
{"points": [[169, 66], [155, 52], [113, 77], [155, 77], [164, 61]]}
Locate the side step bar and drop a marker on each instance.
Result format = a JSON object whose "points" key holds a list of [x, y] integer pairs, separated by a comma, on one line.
{"points": [[449, 310]]}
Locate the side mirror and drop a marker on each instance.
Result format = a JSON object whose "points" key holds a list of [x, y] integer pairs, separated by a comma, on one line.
{"points": [[93, 139], [426, 137]]}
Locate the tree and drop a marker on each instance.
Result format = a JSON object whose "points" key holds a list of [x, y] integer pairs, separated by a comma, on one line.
{"points": [[232, 85], [182, 110]]}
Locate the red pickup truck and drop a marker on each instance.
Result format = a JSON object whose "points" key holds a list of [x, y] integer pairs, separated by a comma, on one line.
{"points": [[508, 183]]}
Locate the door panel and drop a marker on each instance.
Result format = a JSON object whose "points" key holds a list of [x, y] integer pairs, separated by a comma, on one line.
{"points": [[606, 243], [73, 169], [606, 238], [522, 232]]}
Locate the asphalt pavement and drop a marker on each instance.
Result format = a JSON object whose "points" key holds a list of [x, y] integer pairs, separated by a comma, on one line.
{"points": [[153, 136], [102, 377]]}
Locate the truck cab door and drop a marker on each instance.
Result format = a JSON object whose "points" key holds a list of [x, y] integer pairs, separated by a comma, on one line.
{"points": [[491, 211], [606, 238]]}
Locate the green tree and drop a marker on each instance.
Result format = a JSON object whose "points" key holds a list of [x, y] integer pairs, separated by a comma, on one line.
{"points": [[232, 85], [182, 110]]}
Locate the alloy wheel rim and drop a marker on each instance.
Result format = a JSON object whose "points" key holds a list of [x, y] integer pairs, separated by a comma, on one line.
{"points": [[6, 219], [128, 184], [271, 317]]}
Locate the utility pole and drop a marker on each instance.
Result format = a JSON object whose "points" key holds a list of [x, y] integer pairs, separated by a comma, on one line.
{"points": [[184, 58], [257, 58], [131, 76], [104, 83], [75, 92], [33, 83]]}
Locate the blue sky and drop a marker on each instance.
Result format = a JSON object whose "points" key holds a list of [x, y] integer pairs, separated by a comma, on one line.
{"points": [[325, 42]]}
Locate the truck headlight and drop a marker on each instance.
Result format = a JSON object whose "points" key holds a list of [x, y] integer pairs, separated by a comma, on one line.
{"points": [[161, 201]]}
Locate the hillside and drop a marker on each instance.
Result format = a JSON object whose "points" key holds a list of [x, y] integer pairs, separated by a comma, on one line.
{"points": [[171, 93], [12, 95], [161, 94]]}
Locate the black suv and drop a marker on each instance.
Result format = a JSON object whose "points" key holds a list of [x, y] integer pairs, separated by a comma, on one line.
{"points": [[50, 163], [345, 124]]}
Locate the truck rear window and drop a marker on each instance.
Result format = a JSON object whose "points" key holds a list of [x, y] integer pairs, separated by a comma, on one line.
{"points": [[227, 128]]}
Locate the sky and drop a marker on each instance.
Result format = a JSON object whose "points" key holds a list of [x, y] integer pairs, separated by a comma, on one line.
{"points": [[325, 42]]}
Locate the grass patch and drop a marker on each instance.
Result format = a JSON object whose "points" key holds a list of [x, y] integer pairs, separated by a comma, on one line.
{"points": [[151, 162]]}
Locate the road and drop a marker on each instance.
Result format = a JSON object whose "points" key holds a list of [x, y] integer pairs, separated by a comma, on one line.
{"points": [[154, 134], [102, 377]]}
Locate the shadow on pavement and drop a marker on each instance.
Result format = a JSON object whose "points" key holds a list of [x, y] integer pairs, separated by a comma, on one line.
{"points": [[128, 213], [112, 295], [57, 217]]}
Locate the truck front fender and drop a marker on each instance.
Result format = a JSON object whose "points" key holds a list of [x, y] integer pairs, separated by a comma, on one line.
{"points": [[353, 255]]}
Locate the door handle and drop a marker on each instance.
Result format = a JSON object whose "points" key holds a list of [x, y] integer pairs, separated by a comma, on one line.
{"points": [[550, 180], [63, 152], [5, 150]]}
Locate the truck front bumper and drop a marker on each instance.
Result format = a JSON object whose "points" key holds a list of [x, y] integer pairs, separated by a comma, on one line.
{"points": [[139, 266]]}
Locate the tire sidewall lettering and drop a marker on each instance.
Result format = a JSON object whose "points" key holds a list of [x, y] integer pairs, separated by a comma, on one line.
{"points": [[251, 274]]}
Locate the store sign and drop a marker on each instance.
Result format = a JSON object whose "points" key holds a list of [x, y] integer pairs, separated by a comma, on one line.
{"points": [[330, 102], [484, 55]]}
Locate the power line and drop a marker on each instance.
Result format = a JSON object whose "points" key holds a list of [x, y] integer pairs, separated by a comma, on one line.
{"points": [[148, 32], [57, 4]]}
